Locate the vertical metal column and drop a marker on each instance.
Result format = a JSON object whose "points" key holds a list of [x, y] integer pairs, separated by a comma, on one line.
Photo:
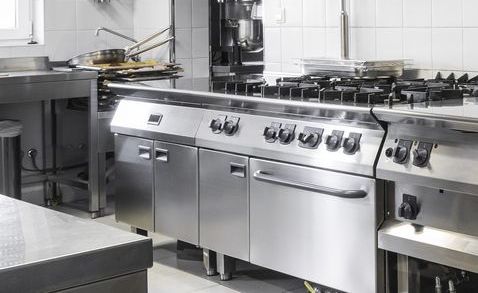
{"points": [[97, 161]]}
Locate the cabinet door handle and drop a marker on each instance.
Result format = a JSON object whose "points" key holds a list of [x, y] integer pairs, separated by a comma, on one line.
{"points": [[144, 152], [161, 155], [238, 170], [269, 177]]}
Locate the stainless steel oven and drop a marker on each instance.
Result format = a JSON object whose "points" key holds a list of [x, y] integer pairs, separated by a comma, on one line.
{"points": [[321, 223]]}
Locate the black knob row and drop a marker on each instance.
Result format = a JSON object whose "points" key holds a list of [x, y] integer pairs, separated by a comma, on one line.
{"points": [[401, 153], [223, 124]]}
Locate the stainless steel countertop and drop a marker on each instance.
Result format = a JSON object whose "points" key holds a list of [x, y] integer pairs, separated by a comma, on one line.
{"points": [[22, 77], [43, 250]]}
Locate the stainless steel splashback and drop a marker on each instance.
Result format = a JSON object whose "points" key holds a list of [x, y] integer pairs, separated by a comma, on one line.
{"points": [[24, 64]]}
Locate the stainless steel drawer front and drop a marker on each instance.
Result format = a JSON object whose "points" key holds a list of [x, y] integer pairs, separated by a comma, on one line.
{"points": [[134, 182], [314, 224], [224, 203], [176, 191]]}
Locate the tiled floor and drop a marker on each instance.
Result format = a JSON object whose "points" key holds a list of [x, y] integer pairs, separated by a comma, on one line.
{"points": [[171, 273]]}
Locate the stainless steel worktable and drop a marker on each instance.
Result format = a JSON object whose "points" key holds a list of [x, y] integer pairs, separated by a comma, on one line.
{"points": [[31, 80], [47, 251]]}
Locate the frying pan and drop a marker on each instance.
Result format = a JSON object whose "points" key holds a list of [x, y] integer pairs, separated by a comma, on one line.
{"points": [[118, 55]]}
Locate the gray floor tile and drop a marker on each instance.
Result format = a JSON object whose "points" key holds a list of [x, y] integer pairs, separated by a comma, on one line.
{"points": [[185, 273]]}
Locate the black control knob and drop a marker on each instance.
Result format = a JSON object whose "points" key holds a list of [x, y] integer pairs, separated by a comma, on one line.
{"points": [[230, 127], [286, 136], [309, 138], [332, 142], [408, 211], [270, 134], [350, 145], [389, 152], [216, 125], [420, 157], [400, 154]]}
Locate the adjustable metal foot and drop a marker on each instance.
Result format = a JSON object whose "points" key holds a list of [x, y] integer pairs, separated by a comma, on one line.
{"points": [[226, 266], [209, 260]]}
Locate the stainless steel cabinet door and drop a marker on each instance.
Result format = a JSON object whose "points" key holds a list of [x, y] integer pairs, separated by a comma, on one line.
{"points": [[134, 182], [224, 203], [314, 224], [176, 191]]}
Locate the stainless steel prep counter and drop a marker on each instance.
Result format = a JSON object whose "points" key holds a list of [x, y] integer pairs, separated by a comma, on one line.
{"points": [[47, 251], [25, 80]]}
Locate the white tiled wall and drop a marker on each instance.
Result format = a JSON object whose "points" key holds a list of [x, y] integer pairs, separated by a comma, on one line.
{"points": [[192, 37], [70, 26], [151, 16], [439, 35]]}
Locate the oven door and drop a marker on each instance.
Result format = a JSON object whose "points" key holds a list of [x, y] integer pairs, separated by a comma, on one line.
{"points": [[314, 224]]}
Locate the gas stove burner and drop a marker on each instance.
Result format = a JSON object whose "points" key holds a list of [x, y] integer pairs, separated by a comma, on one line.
{"points": [[356, 91]]}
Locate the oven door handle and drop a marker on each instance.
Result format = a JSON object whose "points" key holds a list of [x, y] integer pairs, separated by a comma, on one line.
{"points": [[270, 178]]}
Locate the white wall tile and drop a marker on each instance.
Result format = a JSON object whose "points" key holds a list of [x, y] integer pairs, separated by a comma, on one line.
{"points": [[151, 14], [293, 13], [389, 43], [61, 45], [470, 45], [417, 13], [291, 44], [29, 51], [119, 14], [60, 15], [314, 42], [272, 10], [417, 46], [183, 13], [5, 52], [200, 13], [291, 68], [89, 15], [201, 67], [362, 13], [332, 13], [314, 12], [184, 43], [88, 42], [362, 44], [332, 43], [187, 65], [272, 44], [389, 13], [447, 48], [446, 13], [470, 8], [273, 67], [200, 42]]}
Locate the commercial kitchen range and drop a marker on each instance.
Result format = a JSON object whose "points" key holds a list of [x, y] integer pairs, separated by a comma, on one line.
{"points": [[358, 185]]}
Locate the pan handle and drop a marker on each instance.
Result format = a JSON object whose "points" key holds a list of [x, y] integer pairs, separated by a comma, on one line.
{"points": [[141, 51], [144, 41]]}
